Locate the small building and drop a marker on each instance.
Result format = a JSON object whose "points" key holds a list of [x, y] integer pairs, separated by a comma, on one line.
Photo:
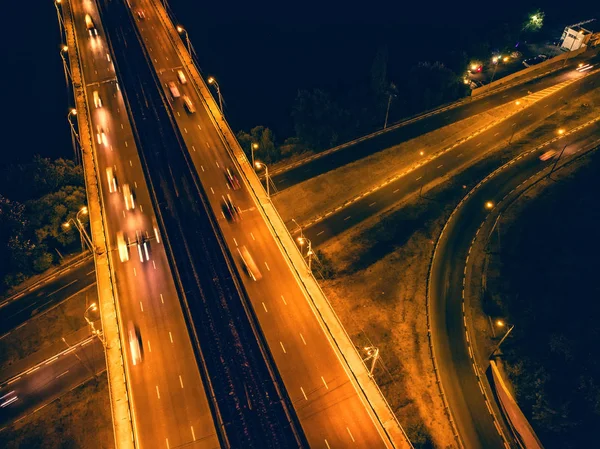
{"points": [[574, 37]]}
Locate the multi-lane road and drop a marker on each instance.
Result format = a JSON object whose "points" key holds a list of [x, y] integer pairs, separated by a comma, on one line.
{"points": [[170, 406], [328, 406], [421, 126], [459, 158], [472, 415]]}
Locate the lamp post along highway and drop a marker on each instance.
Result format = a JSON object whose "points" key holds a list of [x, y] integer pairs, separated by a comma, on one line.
{"points": [[71, 113], [501, 323], [387, 112], [253, 146], [98, 333], [82, 232], [211, 80], [61, 25], [68, 75], [182, 30], [260, 165], [309, 252]]}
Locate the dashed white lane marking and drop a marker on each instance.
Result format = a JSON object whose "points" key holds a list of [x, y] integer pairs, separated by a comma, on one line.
{"points": [[395, 191], [141, 208], [320, 233], [154, 265], [208, 144], [459, 155], [347, 218], [149, 347], [283, 299], [217, 162], [141, 306], [283, 347], [267, 265], [185, 129], [171, 336], [167, 440], [162, 299], [199, 127], [529, 115], [122, 126], [418, 178], [193, 434], [373, 203], [303, 340], [350, 433], [130, 164], [157, 392], [265, 307], [211, 189], [135, 184], [478, 144], [324, 383], [178, 114], [235, 241], [440, 166], [327, 444], [252, 235], [194, 148], [180, 381], [60, 375], [303, 393]]}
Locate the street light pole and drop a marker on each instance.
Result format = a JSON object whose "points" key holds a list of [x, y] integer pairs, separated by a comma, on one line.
{"points": [[61, 25], [71, 113], [182, 30], [68, 75], [372, 354], [501, 323], [556, 161], [496, 60], [260, 165], [253, 146], [97, 333], [387, 111], [211, 80], [81, 228]]}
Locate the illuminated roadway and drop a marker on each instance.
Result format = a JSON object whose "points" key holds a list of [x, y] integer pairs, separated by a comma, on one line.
{"points": [[170, 405], [328, 407], [460, 157], [421, 126], [446, 283]]}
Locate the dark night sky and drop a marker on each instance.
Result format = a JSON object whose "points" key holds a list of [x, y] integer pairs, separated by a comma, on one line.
{"points": [[261, 53]]}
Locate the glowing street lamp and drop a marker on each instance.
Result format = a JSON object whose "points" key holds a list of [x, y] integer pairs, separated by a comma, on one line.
{"points": [[211, 80], [253, 146], [489, 205], [182, 30], [501, 324], [64, 49], [260, 165]]}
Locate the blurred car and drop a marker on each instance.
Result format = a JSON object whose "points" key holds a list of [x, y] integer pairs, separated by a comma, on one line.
{"points": [[188, 105], [101, 136], [174, 90], [141, 14], [230, 210], [97, 99], [122, 247], [8, 398], [581, 67], [547, 155], [89, 24], [535, 60], [135, 347], [232, 180], [475, 68], [142, 241], [181, 76], [128, 197], [112, 180], [516, 54], [248, 264]]}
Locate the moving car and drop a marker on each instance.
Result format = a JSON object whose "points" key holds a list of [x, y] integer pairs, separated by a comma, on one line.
{"points": [[89, 24], [230, 211], [174, 90], [97, 99], [547, 155], [141, 14], [248, 264], [181, 76], [128, 197], [232, 180], [122, 247], [135, 346], [188, 105], [142, 240], [112, 181], [101, 136]]}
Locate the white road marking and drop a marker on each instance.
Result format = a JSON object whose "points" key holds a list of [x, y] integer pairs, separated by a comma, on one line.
{"points": [[135, 184], [235, 241], [167, 440], [478, 144], [320, 233], [348, 217], [194, 148], [303, 340], [418, 178], [161, 298], [325, 383], [211, 189], [60, 375], [185, 129], [158, 394], [141, 306], [283, 347], [171, 336], [327, 444], [149, 347], [305, 397], [267, 265], [180, 381], [134, 272], [265, 307], [193, 434], [199, 127], [440, 166], [252, 235], [373, 203], [350, 433], [127, 146], [217, 162], [154, 265], [395, 190], [141, 209], [208, 144], [130, 164], [122, 126], [178, 114], [283, 299]]}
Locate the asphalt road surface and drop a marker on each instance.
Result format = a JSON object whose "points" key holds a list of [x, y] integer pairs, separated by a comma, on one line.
{"points": [[402, 134], [170, 406], [64, 286], [446, 284], [459, 158], [50, 380], [330, 410]]}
